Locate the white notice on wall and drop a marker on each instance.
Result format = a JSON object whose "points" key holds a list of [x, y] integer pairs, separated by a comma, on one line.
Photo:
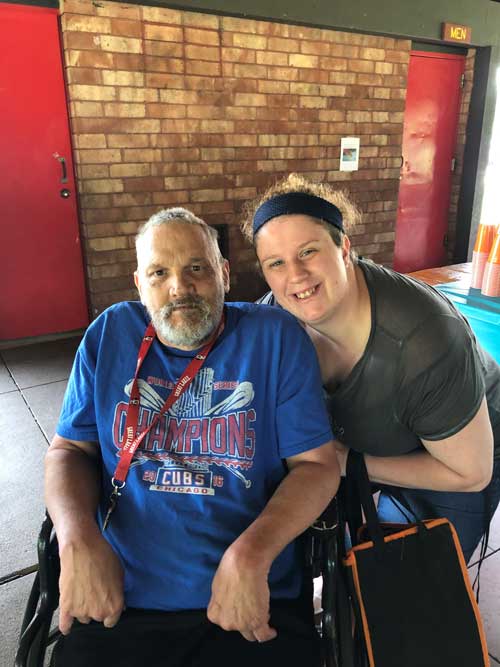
{"points": [[349, 153]]}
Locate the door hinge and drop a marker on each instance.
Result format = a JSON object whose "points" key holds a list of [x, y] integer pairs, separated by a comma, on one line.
{"points": [[453, 164], [462, 81]]}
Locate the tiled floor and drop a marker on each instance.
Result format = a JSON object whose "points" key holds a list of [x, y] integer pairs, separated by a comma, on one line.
{"points": [[32, 382]]}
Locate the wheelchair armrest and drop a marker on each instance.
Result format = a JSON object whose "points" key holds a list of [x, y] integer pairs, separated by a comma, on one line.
{"points": [[42, 602]]}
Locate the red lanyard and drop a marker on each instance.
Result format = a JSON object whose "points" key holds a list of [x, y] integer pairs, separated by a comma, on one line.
{"points": [[132, 441]]}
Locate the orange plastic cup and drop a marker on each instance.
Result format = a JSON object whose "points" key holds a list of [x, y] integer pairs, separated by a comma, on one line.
{"points": [[484, 241], [491, 278]]}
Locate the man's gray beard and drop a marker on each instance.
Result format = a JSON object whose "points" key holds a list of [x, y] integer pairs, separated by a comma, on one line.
{"points": [[199, 324]]}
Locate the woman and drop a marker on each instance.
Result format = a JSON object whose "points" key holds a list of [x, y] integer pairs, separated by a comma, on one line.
{"points": [[407, 383]]}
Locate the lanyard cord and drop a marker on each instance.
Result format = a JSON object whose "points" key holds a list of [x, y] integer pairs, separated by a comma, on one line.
{"points": [[132, 441]]}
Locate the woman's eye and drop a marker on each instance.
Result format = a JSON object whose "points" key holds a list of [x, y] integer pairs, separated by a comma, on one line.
{"points": [[275, 264], [159, 273], [196, 268]]}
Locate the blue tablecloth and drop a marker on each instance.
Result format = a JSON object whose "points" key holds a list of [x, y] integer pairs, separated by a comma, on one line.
{"points": [[483, 313]]}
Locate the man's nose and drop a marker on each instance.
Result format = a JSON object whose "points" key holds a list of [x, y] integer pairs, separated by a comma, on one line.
{"points": [[180, 284]]}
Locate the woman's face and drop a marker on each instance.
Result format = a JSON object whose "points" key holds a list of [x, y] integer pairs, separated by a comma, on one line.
{"points": [[302, 265]]}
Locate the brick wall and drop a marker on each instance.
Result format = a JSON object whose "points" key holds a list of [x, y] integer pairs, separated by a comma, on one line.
{"points": [[179, 108]]}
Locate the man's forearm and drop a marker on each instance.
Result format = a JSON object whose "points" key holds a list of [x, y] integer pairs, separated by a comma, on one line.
{"points": [[71, 491], [296, 504]]}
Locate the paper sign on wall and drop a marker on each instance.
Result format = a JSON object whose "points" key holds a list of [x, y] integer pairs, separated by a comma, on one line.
{"points": [[349, 154]]}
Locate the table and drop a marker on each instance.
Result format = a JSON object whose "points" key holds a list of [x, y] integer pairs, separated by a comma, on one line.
{"points": [[482, 312]]}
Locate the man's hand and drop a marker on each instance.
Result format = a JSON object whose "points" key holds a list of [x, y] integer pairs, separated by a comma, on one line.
{"points": [[240, 598], [91, 582]]}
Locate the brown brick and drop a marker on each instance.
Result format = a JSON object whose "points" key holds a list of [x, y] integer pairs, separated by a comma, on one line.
{"points": [[206, 111], [102, 185], [106, 156], [299, 60], [315, 48], [173, 65], [179, 96], [164, 49], [273, 87], [95, 201], [78, 23], [202, 168], [125, 28], [176, 198], [80, 40], [91, 93], [88, 59], [137, 95], [83, 75], [203, 67], [124, 170], [92, 171], [238, 55], [120, 78], [239, 25], [372, 54], [132, 199], [143, 184], [129, 61], [180, 126], [113, 243], [124, 110], [161, 15], [86, 109], [335, 64], [370, 79], [249, 41], [222, 126], [115, 10], [200, 20], [90, 141], [384, 68], [206, 37], [121, 44], [166, 110], [202, 52], [163, 33], [271, 58], [252, 100], [207, 195], [251, 71], [280, 44], [141, 155]]}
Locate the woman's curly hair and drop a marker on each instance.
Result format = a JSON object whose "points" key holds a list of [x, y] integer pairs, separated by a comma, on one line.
{"points": [[297, 183]]}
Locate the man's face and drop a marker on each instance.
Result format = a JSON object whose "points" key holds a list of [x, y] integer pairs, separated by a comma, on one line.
{"points": [[182, 283]]}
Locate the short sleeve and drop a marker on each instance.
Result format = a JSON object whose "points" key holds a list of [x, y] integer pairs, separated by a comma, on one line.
{"points": [[447, 393], [78, 419], [302, 422]]}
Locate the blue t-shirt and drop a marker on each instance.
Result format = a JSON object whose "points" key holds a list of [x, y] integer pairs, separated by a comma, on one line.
{"points": [[210, 465]]}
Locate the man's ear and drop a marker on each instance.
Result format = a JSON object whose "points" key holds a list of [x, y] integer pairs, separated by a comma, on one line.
{"points": [[225, 276], [137, 283]]}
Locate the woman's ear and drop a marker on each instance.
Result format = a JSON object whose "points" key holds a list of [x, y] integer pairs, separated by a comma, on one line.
{"points": [[346, 250]]}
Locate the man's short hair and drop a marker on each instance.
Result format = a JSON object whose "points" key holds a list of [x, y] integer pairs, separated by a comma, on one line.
{"points": [[180, 215]]}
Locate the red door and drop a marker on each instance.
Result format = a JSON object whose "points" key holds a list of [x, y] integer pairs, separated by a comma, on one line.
{"points": [[429, 139], [42, 287]]}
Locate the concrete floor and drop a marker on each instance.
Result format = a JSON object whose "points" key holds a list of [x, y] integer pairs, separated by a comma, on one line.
{"points": [[32, 383]]}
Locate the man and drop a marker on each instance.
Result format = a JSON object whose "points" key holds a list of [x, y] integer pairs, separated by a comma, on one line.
{"points": [[196, 516]]}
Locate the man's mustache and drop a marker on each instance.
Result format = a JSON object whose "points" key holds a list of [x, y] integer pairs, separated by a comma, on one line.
{"points": [[190, 301]]}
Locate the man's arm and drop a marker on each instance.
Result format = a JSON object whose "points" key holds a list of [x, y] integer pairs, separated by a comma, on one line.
{"points": [[91, 581], [240, 590], [462, 462]]}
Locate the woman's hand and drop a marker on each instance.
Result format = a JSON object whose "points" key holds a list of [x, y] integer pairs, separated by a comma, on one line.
{"points": [[342, 452]]}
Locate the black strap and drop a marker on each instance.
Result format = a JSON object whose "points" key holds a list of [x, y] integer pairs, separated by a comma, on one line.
{"points": [[359, 496]]}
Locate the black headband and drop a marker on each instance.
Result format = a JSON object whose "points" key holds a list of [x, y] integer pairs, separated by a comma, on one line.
{"points": [[297, 202]]}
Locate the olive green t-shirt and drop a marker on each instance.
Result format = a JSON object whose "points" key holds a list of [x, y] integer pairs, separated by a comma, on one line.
{"points": [[422, 375]]}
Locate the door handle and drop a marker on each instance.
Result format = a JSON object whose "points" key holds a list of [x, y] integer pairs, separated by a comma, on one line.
{"points": [[64, 177], [62, 160]]}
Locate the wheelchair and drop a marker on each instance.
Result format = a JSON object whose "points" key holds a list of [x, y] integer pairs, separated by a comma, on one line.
{"points": [[324, 546]]}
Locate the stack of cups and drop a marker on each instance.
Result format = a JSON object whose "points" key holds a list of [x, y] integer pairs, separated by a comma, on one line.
{"points": [[484, 242], [491, 278]]}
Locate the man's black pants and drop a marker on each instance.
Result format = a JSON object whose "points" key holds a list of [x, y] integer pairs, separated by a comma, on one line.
{"points": [[187, 639]]}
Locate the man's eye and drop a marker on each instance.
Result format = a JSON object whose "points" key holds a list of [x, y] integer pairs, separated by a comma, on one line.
{"points": [[307, 251], [196, 267], [159, 272]]}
